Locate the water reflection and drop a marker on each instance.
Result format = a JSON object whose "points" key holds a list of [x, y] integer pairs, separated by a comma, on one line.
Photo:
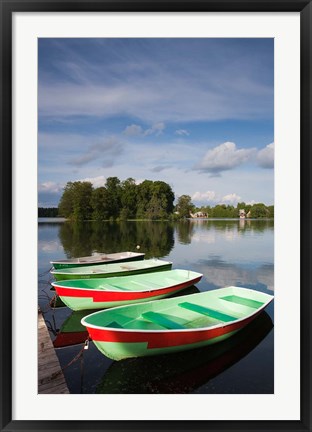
{"points": [[255, 225], [186, 371], [72, 332], [219, 274], [155, 238], [227, 252]]}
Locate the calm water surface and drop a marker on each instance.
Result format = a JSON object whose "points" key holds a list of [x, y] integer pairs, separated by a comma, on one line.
{"points": [[226, 252]]}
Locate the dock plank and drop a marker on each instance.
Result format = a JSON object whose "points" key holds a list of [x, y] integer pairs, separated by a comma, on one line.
{"points": [[50, 375]]}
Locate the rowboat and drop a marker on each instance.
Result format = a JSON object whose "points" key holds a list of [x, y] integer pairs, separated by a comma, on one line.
{"points": [[176, 324], [110, 292], [97, 259], [186, 371], [111, 270]]}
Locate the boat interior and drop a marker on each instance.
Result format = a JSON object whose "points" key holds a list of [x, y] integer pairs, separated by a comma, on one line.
{"points": [[183, 315]]}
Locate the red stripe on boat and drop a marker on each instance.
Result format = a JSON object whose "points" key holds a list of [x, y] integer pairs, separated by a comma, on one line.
{"points": [[166, 339], [107, 296]]}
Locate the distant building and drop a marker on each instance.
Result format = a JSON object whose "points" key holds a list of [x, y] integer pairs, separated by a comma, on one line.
{"points": [[199, 215], [242, 213]]}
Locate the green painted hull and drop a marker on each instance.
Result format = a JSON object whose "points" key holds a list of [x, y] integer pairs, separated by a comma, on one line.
{"points": [[80, 294], [112, 270], [117, 351], [176, 324], [107, 259], [183, 372]]}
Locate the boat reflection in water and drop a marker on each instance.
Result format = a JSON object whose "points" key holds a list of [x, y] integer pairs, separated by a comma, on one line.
{"points": [[183, 372], [72, 332]]}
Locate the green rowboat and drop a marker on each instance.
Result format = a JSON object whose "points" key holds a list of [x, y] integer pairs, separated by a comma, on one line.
{"points": [[97, 259], [111, 270], [186, 371], [176, 324], [82, 294]]}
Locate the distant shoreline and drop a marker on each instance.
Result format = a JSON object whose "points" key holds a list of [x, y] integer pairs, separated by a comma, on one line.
{"points": [[61, 219]]}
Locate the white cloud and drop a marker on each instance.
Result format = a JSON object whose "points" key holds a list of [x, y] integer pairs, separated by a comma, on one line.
{"points": [[50, 187], [224, 157], [265, 157], [156, 129], [231, 199], [137, 130], [159, 96], [213, 197], [182, 132], [105, 150], [204, 196], [96, 181], [133, 130]]}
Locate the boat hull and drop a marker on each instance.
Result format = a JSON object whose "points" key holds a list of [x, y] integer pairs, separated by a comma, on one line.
{"points": [[184, 322], [128, 344], [105, 259], [59, 275], [79, 299]]}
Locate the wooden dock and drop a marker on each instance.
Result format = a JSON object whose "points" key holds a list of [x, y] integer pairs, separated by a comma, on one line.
{"points": [[51, 379]]}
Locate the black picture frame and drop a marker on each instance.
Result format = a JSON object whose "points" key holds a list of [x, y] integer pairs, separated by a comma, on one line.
{"points": [[9, 7]]}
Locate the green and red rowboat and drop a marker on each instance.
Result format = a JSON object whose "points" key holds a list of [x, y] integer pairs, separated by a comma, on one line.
{"points": [[185, 371], [176, 324], [97, 259], [110, 292], [111, 270]]}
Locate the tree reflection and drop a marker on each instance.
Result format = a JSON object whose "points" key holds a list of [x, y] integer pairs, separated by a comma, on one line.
{"points": [[82, 239]]}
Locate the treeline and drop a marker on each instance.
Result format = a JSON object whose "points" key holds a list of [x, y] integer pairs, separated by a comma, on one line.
{"points": [[47, 211], [117, 200], [255, 211], [185, 208], [152, 200]]}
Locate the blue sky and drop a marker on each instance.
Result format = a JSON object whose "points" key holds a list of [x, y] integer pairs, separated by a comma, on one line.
{"points": [[195, 113]]}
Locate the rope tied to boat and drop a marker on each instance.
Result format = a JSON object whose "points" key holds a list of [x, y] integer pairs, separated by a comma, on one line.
{"points": [[73, 360], [45, 272]]}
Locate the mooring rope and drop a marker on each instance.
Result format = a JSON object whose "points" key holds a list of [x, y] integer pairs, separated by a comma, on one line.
{"points": [[77, 356], [45, 272]]}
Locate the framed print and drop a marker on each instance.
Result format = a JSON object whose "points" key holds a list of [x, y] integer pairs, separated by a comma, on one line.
{"points": [[153, 150]]}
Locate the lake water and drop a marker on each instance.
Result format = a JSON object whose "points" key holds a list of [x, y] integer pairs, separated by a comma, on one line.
{"points": [[226, 252]]}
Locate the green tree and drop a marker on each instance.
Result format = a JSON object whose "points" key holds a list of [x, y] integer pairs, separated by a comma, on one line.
{"points": [[82, 193], [184, 206], [220, 211], [100, 204], [271, 211], [47, 211], [66, 204], [75, 202], [113, 196], [165, 194], [155, 208], [259, 210], [144, 195], [128, 199]]}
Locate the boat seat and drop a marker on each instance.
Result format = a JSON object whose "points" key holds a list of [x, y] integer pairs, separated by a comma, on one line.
{"points": [[162, 320], [207, 311], [114, 324], [243, 301], [119, 287]]}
